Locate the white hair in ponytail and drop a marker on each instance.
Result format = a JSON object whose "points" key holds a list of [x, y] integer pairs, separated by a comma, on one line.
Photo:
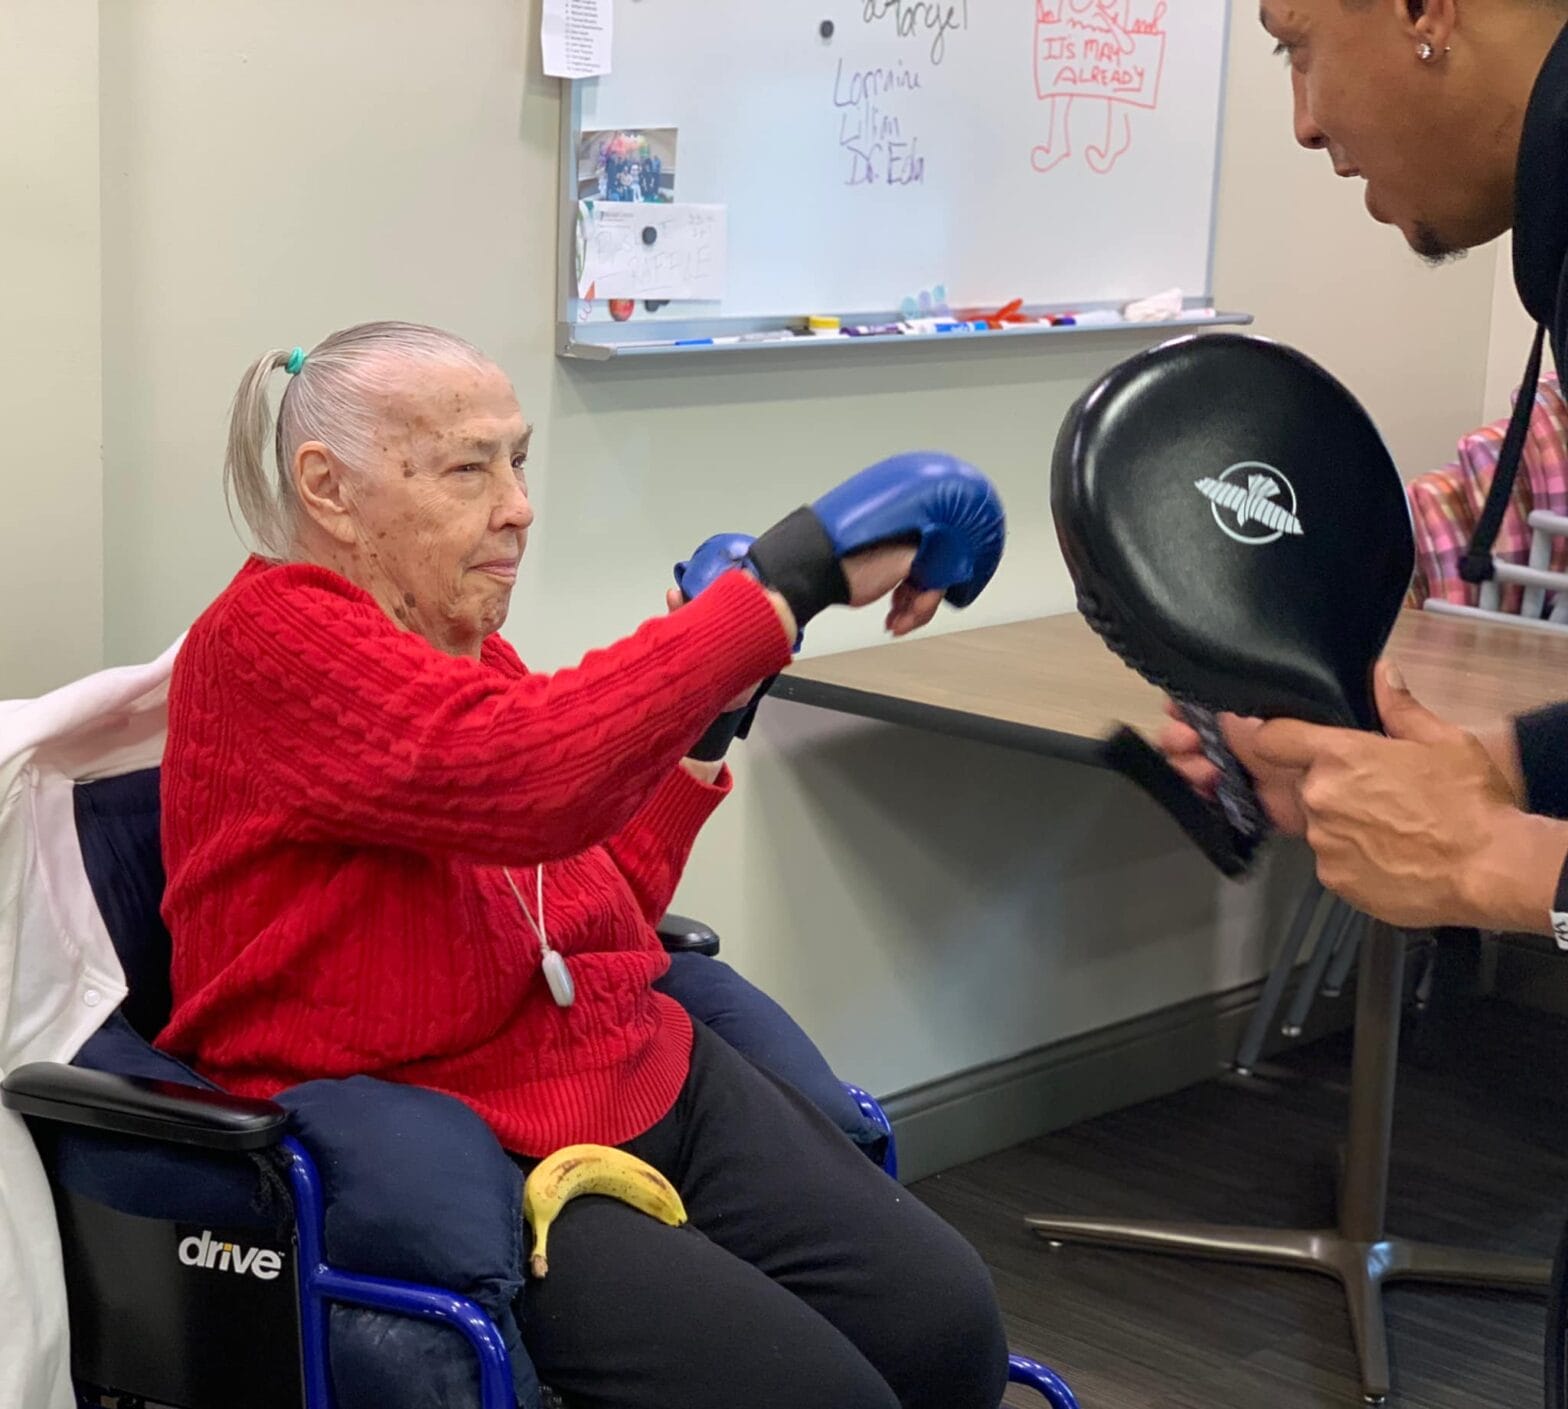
{"points": [[334, 398]]}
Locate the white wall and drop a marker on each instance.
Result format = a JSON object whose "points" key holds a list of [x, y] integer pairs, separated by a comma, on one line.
{"points": [[51, 509], [1508, 341], [272, 171]]}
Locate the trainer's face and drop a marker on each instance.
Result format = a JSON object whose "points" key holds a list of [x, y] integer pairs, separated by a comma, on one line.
{"points": [[1430, 137]]}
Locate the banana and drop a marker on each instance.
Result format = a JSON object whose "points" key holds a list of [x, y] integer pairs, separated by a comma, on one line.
{"points": [[593, 1169]]}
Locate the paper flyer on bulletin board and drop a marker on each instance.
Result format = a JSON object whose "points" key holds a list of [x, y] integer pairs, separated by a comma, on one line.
{"points": [[672, 251]]}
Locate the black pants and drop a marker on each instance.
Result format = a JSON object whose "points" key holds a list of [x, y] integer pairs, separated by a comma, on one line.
{"points": [[807, 1279]]}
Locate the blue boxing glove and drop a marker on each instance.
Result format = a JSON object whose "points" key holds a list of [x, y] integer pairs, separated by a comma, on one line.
{"points": [[950, 507], [714, 557], [946, 508]]}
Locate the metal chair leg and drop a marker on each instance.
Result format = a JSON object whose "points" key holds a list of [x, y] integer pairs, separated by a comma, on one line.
{"points": [[1304, 923], [1369, 1331], [1330, 938], [1344, 960]]}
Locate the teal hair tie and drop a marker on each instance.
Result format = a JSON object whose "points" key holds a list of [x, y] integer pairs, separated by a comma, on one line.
{"points": [[295, 362]]}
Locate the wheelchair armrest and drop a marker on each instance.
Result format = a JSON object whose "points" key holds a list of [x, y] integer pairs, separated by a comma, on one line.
{"points": [[134, 1105], [680, 935]]}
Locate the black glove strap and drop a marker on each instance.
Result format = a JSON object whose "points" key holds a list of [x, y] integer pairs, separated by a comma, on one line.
{"points": [[750, 712], [797, 560], [724, 730]]}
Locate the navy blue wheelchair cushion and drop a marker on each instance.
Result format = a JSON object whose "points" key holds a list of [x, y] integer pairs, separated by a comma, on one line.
{"points": [[757, 1027], [118, 828]]}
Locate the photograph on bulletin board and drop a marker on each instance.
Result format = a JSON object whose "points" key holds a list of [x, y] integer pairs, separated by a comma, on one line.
{"points": [[621, 164]]}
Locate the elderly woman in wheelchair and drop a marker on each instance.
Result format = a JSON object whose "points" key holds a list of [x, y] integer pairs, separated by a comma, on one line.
{"points": [[394, 851]]}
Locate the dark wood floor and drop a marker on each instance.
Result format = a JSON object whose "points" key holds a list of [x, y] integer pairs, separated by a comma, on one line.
{"points": [[1480, 1157]]}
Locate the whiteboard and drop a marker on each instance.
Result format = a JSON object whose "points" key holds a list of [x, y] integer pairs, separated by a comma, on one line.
{"points": [[1060, 151]]}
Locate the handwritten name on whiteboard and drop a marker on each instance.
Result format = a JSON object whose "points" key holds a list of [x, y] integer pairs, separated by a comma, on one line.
{"points": [[651, 251], [878, 146]]}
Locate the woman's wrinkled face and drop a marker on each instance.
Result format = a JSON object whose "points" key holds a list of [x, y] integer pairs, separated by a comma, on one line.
{"points": [[438, 519]]}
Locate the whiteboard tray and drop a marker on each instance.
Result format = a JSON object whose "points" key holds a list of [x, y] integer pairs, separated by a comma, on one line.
{"points": [[594, 344]]}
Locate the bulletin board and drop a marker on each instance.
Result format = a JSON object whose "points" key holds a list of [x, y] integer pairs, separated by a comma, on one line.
{"points": [[746, 164]]}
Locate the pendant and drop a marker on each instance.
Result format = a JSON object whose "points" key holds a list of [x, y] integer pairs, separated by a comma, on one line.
{"points": [[559, 979]]}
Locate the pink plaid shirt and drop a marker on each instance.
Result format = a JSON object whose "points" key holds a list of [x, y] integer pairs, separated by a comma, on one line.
{"points": [[1446, 503]]}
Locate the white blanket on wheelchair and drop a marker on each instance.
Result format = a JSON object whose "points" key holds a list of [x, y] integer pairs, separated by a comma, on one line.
{"points": [[59, 978]]}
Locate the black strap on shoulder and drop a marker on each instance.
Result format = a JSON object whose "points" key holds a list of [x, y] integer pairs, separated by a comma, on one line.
{"points": [[1476, 564]]}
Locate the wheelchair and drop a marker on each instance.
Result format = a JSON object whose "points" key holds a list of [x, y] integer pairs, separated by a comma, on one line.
{"points": [[352, 1243]]}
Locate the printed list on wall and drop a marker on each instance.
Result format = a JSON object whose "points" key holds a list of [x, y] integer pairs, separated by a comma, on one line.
{"points": [[575, 37]]}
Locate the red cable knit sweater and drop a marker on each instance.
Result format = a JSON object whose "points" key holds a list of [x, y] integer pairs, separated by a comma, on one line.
{"points": [[339, 798]]}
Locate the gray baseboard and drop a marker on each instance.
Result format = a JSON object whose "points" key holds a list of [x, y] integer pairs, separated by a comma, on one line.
{"points": [[977, 1112]]}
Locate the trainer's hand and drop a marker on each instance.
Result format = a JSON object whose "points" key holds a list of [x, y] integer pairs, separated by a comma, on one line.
{"points": [[1419, 828], [1278, 789], [874, 572]]}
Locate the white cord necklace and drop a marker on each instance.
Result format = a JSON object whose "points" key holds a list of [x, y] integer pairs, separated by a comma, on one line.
{"points": [[556, 973]]}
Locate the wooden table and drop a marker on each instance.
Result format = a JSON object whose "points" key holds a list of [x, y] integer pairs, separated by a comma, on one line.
{"points": [[1050, 686]]}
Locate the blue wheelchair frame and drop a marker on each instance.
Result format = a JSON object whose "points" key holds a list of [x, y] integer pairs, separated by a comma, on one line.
{"points": [[321, 1284]]}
